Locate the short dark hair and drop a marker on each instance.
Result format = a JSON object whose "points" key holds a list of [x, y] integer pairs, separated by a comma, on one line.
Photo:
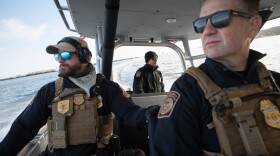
{"points": [[252, 6]]}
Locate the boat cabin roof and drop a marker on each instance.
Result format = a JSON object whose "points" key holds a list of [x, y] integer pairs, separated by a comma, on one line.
{"points": [[145, 19]]}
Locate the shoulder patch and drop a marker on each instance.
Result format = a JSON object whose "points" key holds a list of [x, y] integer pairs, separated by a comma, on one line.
{"points": [[138, 74], [168, 105]]}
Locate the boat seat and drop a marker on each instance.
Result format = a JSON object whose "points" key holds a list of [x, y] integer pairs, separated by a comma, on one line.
{"points": [[133, 138]]}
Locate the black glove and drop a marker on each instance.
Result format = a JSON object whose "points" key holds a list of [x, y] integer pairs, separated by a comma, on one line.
{"points": [[95, 90], [112, 149]]}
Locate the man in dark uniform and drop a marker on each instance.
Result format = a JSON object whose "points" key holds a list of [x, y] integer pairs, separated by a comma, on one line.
{"points": [[185, 123], [148, 79], [74, 98]]}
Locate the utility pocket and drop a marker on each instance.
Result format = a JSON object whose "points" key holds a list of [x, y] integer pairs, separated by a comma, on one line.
{"points": [[60, 110]]}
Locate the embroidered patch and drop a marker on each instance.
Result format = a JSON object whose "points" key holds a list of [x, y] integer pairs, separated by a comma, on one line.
{"points": [[138, 74], [63, 106], [168, 105], [78, 99]]}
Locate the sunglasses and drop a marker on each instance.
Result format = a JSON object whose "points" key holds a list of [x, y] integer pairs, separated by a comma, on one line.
{"points": [[154, 58], [218, 20], [63, 55]]}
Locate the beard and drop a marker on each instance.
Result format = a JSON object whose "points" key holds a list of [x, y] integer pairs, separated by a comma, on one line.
{"points": [[66, 70]]}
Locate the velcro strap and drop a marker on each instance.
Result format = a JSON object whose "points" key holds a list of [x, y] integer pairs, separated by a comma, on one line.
{"points": [[212, 92], [264, 75], [59, 139]]}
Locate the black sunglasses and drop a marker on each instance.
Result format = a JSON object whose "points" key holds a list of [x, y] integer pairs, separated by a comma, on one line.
{"points": [[218, 19]]}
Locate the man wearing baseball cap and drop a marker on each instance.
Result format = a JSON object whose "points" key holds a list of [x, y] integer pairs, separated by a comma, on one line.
{"points": [[77, 107], [148, 79]]}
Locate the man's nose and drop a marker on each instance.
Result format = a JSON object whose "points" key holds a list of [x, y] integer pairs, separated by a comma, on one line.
{"points": [[60, 60], [209, 28]]}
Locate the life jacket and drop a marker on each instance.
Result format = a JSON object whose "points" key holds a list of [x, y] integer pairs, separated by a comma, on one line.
{"points": [[246, 118], [75, 119]]}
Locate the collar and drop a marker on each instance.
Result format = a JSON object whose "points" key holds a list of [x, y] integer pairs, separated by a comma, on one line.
{"points": [[150, 67], [254, 57], [89, 68], [85, 79], [227, 77]]}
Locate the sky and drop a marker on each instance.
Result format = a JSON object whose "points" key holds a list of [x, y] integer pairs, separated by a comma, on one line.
{"points": [[26, 28]]}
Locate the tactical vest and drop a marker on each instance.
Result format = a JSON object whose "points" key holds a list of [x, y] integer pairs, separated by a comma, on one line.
{"points": [[75, 120], [246, 118]]}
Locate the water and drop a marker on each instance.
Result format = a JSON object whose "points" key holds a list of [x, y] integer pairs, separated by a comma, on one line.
{"points": [[168, 63], [16, 94]]}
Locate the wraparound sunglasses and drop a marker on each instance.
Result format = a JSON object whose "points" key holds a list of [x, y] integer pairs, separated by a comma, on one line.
{"points": [[63, 55], [154, 58], [218, 19]]}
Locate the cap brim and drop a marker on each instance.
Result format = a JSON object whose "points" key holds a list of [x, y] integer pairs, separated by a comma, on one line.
{"points": [[63, 46]]}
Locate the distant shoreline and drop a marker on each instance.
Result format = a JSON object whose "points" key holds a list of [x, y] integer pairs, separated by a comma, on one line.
{"points": [[30, 74], [47, 71]]}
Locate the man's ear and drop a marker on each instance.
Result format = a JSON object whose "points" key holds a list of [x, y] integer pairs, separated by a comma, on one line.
{"points": [[255, 25]]}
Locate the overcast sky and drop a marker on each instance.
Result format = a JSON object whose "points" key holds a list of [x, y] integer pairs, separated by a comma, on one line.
{"points": [[26, 28]]}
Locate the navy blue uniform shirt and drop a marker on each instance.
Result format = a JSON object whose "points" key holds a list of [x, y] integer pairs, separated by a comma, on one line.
{"points": [[148, 80], [184, 131]]}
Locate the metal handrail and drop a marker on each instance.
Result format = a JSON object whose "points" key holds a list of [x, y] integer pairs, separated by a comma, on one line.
{"points": [[60, 10], [168, 44]]}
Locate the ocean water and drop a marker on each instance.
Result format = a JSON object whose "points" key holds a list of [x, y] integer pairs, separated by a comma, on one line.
{"points": [[16, 94]]}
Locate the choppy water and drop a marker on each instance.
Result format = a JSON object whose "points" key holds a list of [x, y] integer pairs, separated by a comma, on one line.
{"points": [[15, 94]]}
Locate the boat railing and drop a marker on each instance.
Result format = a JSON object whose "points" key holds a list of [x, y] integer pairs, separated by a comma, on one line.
{"points": [[37, 145]]}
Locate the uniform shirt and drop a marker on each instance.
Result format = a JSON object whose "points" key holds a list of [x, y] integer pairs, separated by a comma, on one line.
{"points": [[182, 129], [148, 80], [35, 115]]}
